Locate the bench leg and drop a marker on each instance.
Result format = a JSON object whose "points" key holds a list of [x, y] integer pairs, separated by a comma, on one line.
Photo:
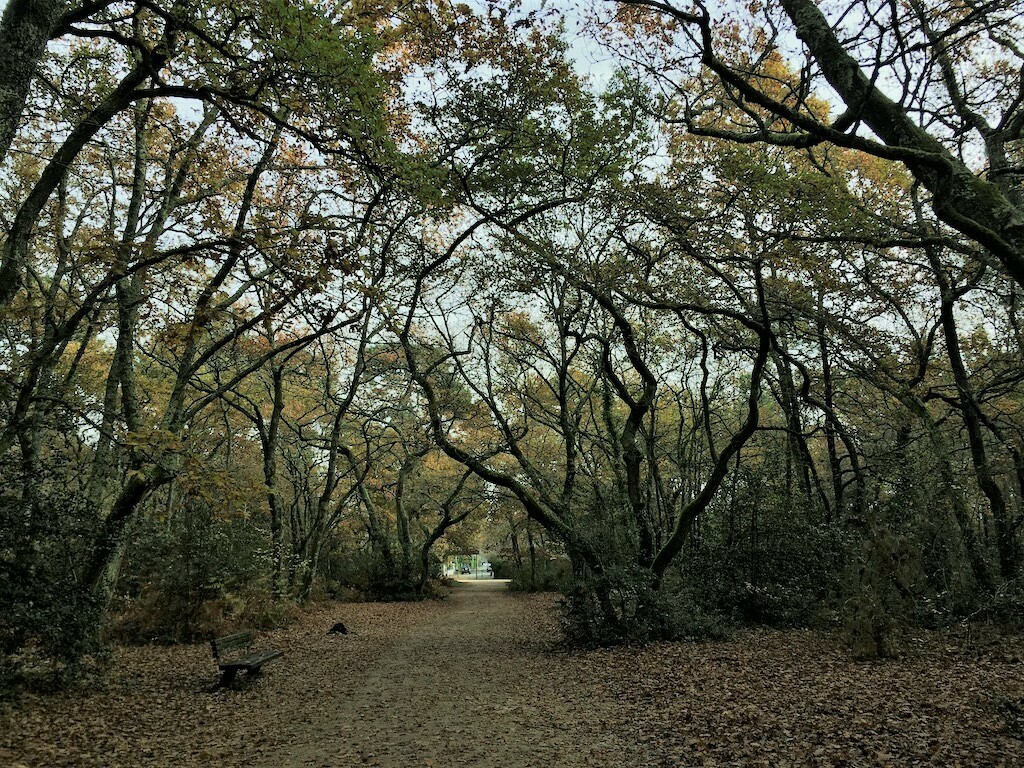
{"points": [[228, 677]]}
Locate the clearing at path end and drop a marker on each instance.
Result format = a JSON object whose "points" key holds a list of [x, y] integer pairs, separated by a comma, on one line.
{"points": [[469, 686]]}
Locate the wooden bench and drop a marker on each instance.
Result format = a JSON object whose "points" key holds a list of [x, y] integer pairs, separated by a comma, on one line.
{"points": [[232, 654]]}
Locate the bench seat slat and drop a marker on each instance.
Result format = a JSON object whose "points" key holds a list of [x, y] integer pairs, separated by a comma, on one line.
{"points": [[232, 654], [251, 662]]}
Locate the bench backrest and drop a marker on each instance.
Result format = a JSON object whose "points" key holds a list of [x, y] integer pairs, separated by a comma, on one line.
{"points": [[231, 644]]}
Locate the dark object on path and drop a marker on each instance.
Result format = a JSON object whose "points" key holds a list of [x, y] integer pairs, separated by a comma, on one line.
{"points": [[227, 650], [338, 629]]}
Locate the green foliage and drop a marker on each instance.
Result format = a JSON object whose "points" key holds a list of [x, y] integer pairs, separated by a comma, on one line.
{"points": [[789, 576], [192, 575], [641, 614], [50, 620], [546, 574], [360, 574]]}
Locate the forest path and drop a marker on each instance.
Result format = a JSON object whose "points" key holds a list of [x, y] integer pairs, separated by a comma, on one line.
{"points": [[472, 686]]}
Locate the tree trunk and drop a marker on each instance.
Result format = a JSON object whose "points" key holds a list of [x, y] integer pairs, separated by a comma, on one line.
{"points": [[828, 394], [533, 556], [972, 546], [25, 30], [517, 554], [798, 455], [270, 479], [402, 516], [969, 411], [105, 558]]}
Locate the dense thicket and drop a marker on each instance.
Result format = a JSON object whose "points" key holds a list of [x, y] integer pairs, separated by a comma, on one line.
{"points": [[297, 297]]}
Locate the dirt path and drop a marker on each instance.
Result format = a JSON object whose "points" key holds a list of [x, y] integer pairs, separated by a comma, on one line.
{"points": [[470, 686]]}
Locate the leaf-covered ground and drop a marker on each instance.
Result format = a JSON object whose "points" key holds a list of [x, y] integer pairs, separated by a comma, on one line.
{"points": [[476, 681]]}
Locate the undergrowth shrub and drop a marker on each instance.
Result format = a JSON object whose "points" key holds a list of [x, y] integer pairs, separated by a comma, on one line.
{"points": [[158, 617], [545, 575], [883, 582], [792, 578], [354, 575], [48, 620], [193, 576], [641, 615]]}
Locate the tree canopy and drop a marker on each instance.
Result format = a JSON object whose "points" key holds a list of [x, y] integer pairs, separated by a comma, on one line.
{"points": [[297, 298]]}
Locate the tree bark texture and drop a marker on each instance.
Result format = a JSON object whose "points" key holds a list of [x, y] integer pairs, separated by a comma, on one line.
{"points": [[25, 29]]}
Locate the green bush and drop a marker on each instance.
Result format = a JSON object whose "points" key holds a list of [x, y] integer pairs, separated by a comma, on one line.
{"points": [[192, 576], [789, 577], [49, 630], [548, 574], [641, 614]]}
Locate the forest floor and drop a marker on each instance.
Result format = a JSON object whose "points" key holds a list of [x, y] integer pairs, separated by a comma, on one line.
{"points": [[477, 681]]}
